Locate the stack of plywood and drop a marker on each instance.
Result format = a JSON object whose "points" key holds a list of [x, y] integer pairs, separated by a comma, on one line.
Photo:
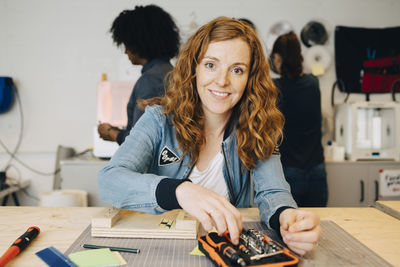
{"points": [[113, 222]]}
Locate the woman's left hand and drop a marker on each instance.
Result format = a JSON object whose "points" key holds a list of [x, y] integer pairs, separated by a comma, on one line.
{"points": [[107, 132], [300, 229]]}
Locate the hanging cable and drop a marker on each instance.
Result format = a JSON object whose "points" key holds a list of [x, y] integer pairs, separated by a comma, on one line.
{"points": [[21, 129], [16, 148], [340, 84]]}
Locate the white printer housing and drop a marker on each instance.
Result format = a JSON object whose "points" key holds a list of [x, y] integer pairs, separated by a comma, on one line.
{"points": [[368, 130], [112, 100]]}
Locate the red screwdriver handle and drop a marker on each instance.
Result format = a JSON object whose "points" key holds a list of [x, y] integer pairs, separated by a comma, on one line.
{"points": [[19, 245]]}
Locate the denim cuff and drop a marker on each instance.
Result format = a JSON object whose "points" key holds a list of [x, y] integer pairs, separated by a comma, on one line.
{"points": [[165, 193]]}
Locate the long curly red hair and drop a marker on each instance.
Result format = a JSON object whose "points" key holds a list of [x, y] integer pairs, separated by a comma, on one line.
{"points": [[260, 122]]}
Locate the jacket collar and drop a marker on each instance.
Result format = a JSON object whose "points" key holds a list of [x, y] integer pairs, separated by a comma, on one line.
{"points": [[231, 125], [153, 62]]}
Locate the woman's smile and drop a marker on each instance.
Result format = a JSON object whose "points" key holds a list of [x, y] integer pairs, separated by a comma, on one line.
{"points": [[219, 95]]}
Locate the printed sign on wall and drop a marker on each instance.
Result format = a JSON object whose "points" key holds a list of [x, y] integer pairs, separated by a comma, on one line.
{"points": [[389, 183]]}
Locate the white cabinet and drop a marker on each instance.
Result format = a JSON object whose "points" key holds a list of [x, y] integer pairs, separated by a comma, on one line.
{"points": [[355, 183]]}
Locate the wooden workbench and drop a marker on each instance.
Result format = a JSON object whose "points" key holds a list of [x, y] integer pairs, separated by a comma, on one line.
{"points": [[393, 204], [61, 226], [391, 207]]}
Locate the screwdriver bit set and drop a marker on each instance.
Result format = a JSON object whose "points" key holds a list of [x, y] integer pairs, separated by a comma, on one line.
{"points": [[254, 249]]}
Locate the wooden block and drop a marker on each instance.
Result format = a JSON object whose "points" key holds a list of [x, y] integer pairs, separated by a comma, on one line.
{"points": [[106, 218], [174, 224], [184, 221]]}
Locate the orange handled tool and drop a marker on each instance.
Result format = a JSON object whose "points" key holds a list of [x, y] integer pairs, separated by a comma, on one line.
{"points": [[19, 245]]}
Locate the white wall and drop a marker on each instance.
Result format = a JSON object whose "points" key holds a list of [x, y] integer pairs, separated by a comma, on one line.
{"points": [[56, 51]]}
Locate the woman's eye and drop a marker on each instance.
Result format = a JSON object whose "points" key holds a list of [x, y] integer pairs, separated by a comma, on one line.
{"points": [[237, 71], [209, 65]]}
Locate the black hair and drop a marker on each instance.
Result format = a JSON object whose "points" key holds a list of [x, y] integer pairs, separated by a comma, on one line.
{"points": [[288, 47], [248, 22], [148, 31]]}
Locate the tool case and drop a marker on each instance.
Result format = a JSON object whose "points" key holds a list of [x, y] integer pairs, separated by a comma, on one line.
{"points": [[254, 249]]}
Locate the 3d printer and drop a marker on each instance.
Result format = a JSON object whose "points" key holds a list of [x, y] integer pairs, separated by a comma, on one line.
{"points": [[368, 130], [112, 99]]}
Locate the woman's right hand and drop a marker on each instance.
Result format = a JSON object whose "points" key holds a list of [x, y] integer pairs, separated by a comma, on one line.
{"points": [[211, 209]]}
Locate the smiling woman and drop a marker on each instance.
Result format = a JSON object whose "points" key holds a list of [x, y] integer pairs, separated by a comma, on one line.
{"points": [[220, 120]]}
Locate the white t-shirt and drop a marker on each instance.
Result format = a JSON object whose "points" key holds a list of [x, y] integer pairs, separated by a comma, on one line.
{"points": [[211, 178]]}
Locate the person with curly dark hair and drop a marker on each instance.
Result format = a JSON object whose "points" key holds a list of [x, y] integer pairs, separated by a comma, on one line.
{"points": [[151, 38], [248, 21], [197, 147], [301, 150]]}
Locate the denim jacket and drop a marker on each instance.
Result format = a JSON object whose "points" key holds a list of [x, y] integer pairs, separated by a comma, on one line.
{"points": [[150, 153]]}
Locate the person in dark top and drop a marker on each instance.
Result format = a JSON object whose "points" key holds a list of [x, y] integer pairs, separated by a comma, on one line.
{"points": [[301, 150], [151, 38]]}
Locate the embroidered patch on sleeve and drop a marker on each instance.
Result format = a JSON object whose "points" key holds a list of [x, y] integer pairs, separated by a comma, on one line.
{"points": [[167, 157]]}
